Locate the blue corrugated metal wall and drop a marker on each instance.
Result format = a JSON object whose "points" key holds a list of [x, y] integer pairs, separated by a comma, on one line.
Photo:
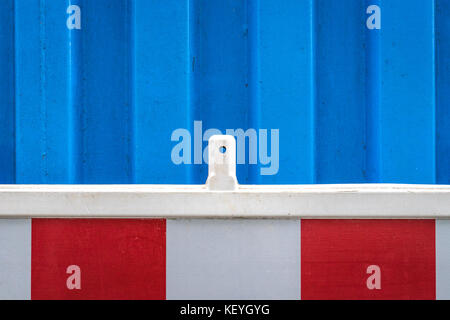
{"points": [[99, 105]]}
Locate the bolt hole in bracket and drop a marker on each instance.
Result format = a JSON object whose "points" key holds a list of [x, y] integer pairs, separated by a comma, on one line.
{"points": [[222, 163], [223, 197]]}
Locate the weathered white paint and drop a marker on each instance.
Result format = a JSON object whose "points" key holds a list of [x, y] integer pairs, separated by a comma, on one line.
{"points": [[319, 201], [15, 259], [233, 259]]}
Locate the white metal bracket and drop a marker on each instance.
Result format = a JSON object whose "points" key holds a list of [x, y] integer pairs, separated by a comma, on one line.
{"points": [[222, 163]]}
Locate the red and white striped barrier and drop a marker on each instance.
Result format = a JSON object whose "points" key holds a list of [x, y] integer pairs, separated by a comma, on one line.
{"points": [[225, 241], [224, 259]]}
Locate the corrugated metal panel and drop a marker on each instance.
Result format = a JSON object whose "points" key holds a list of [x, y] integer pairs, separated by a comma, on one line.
{"points": [[98, 105], [442, 37]]}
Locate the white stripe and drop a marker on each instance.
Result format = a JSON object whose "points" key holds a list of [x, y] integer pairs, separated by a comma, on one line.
{"points": [[233, 259], [442, 259], [15, 259]]}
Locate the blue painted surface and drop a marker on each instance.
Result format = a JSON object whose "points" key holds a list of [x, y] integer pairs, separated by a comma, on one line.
{"points": [[99, 105], [407, 102], [340, 91], [443, 91], [219, 66], [106, 96], [160, 85], [42, 86], [372, 99], [7, 96], [282, 84]]}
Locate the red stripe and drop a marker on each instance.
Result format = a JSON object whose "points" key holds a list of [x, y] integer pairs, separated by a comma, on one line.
{"points": [[118, 259], [126, 259], [336, 255]]}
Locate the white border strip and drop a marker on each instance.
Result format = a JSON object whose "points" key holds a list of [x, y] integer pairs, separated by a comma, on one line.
{"points": [[383, 201]]}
